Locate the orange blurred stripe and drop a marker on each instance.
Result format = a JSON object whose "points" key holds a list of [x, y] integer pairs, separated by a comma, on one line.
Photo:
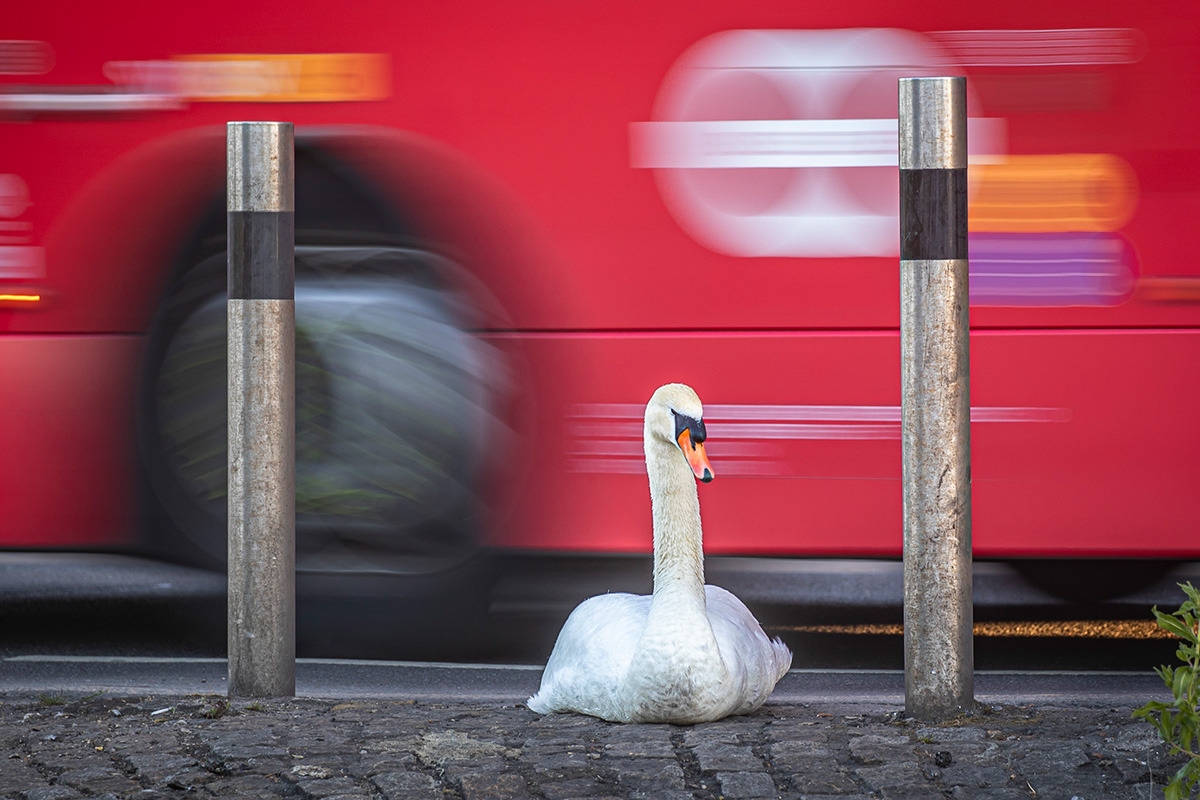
{"points": [[1055, 193]]}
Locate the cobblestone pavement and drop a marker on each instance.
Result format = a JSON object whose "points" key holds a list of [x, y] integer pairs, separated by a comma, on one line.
{"points": [[59, 748]]}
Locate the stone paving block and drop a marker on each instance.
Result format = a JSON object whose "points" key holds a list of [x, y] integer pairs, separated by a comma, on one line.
{"points": [[660, 794], [385, 751], [441, 746], [713, 733], [574, 788], [648, 776], [319, 743], [876, 749], [797, 731], [97, 780], [799, 755], [245, 786], [453, 771], [1052, 759], [494, 787], [318, 788], [647, 749], [819, 778], [891, 780], [989, 793], [565, 764], [242, 745], [962, 773], [637, 741], [374, 764], [720, 757], [407, 786], [50, 793], [948, 734], [739, 785], [188, 779], [309, 771], [17, 775], [157, 767]]}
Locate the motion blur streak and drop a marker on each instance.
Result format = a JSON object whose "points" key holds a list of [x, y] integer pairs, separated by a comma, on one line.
{"points": [[1016, 48], [260, 78], [1048, 269], [1046, 194]]}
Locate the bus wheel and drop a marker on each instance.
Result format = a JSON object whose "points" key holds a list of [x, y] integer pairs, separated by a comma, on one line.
{"points": [[394, 398]]}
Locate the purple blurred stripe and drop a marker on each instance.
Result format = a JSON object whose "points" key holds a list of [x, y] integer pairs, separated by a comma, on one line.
{"points": [[1051, 269]]}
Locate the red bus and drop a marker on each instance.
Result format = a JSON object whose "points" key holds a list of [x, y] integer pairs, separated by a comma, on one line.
{"points": [[515, 220]]}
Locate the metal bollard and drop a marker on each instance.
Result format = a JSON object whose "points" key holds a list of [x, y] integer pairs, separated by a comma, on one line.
{"points": [[262, 414], [935, 398]]}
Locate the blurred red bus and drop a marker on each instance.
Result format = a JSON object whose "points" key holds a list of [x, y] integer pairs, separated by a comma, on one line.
{"points": [[515, 220]]}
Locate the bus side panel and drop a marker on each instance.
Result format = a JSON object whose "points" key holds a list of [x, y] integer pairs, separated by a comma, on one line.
{"points": [[67, 459], [1083, 443]]}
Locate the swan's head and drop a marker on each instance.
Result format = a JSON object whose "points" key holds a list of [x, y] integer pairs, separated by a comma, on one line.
{"points": [[675, 415]]}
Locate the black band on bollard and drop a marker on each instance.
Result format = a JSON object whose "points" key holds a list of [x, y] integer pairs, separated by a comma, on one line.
{"points": [[933, 214], [261, 255]]}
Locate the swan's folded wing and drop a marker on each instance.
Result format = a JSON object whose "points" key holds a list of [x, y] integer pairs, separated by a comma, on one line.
{"points": [[755, 661], [592, 655]]}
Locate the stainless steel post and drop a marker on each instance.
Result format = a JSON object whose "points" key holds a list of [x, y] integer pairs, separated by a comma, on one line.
{"points": [[262, 426], [935, 398]]}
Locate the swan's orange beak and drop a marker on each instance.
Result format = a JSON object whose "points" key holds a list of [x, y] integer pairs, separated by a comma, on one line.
{"points": [[694, 451]]}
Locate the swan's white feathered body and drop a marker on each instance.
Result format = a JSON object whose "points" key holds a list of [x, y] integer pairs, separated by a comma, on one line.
{"points": [[687, 653]]}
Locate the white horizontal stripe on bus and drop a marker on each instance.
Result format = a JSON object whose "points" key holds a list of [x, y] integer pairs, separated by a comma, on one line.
{"points": [[790, 143], [786, 413], [88, 102], [801, 430], [607, 437], [751, 430]]}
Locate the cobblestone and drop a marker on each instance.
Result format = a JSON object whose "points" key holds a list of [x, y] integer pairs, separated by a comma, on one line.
{"points": [[167, 748]]}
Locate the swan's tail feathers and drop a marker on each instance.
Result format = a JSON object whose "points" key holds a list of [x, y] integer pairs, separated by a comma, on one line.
{"points": [[538, 704], [783, 657]]}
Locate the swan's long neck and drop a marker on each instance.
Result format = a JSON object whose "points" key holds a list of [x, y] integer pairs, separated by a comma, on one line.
{"points": [[676, 671], [678, 538]]}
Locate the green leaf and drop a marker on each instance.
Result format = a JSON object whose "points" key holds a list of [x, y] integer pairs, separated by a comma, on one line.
{"points": [[1178, 723], [1174, 626], [1179, 686]]}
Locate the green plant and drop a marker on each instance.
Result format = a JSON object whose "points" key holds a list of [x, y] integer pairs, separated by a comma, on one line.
{"points": [[1178, 723], [216, 708]]}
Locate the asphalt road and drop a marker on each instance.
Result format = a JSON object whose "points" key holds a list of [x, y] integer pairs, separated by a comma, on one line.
{"points": [[71, 676], [833, 614]]}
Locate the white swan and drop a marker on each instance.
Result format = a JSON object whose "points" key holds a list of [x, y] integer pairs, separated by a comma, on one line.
{"points": [[687, 653]]}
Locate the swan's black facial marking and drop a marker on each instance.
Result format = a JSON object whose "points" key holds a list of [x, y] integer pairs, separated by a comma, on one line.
{"points": [[693, 426]]}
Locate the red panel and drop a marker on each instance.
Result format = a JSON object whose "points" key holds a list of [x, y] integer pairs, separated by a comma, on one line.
{"points": [[66, 424], [554, 127], [529, 177], [1082, 443]]}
